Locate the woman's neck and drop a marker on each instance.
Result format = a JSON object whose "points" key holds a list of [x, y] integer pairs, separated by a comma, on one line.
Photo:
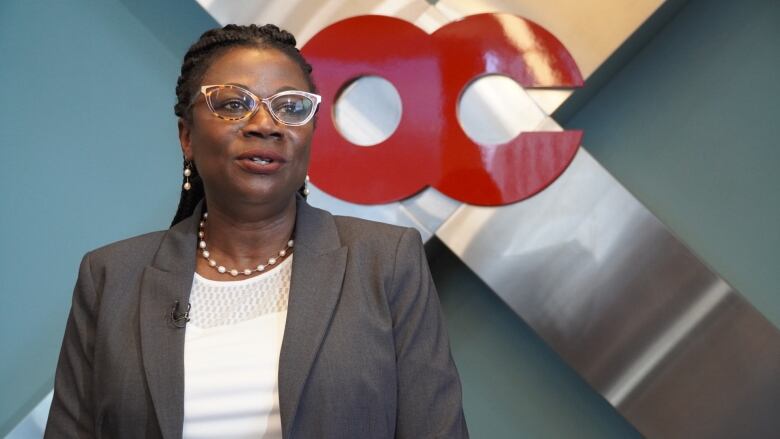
{"points": [[244, 238]]}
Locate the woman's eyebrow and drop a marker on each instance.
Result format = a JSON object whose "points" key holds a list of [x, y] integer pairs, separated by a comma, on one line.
{"points": [[278, 90]]}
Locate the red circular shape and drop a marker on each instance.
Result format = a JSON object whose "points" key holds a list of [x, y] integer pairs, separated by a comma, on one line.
{"points": [[522, 50], [404, 55]]}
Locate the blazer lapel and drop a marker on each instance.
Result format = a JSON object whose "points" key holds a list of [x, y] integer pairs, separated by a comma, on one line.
{"points": [[317, 275], [167, 280]]}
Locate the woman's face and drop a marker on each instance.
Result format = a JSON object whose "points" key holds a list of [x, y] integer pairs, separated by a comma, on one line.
{"points": [[227, 153]]}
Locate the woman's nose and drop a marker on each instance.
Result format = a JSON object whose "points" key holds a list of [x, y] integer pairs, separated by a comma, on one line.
{"points": [[262, 124]]}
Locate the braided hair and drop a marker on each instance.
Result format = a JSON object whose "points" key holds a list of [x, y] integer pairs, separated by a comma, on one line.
{"points": [[198, 59]]}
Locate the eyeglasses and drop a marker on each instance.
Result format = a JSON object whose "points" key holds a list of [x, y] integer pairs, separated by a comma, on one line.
{"points": [[231, 102]]}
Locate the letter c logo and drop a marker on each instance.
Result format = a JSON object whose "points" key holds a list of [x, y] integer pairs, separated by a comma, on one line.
{"points": [[429, 147]]}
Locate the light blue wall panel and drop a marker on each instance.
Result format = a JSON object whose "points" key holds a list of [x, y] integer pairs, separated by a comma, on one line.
{"points": [[89, 155]]}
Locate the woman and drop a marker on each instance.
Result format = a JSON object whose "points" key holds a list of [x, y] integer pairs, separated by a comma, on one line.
{"points": [[255, 314]]}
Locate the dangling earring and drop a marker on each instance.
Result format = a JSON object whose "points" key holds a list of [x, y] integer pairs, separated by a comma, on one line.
{"points": [[305, 189], [187, 172]]}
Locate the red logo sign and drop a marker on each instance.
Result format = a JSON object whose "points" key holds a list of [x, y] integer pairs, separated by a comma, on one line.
{"points": [[429, 147]]}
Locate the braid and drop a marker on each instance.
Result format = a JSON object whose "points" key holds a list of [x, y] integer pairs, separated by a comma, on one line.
{"points": [[197, 60]]}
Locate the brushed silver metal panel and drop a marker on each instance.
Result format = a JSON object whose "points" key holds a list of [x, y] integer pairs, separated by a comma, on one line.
{"points": [[666, 341], [721, 381], [425, 211]]}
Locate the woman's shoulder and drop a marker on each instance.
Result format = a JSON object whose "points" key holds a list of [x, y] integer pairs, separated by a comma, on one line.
{"points": [[137, 248], [352, 229], [371, 239]]}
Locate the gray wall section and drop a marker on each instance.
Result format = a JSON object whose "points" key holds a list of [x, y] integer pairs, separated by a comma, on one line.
{"points": [[689, 126], [685, 126]]}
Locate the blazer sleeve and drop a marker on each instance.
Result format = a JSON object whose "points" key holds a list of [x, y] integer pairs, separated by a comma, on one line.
{"points": [[72, 413], [429, 390]]}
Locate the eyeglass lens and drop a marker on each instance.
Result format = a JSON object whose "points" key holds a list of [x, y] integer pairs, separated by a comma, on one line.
{"points": [[235, 103]]}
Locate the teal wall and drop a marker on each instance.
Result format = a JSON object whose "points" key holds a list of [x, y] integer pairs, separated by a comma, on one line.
{"points": [[89, 155], [685, 125]]}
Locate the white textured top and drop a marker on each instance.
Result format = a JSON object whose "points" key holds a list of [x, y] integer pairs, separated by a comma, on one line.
{"points": [[231, 356]]}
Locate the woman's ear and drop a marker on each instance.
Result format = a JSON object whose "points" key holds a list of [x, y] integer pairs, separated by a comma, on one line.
{"points": [[184, 138]]}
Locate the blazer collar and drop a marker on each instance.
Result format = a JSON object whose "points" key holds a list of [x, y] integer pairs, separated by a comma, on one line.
{"points": [[317, 274], [315, 287], [165, 282]]}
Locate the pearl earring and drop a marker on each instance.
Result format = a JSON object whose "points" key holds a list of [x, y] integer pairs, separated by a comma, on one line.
{"points": [[306, 189], [187, 172]]}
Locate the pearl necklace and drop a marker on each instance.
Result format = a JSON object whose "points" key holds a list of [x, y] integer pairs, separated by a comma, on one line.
{"points": [[232, 271]]}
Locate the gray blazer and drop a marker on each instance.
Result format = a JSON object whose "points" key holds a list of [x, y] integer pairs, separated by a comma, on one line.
{"points": [[364, 355]]}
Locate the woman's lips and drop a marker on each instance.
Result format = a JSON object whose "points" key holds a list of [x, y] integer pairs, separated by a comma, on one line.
{"points": [[260, 162]]}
